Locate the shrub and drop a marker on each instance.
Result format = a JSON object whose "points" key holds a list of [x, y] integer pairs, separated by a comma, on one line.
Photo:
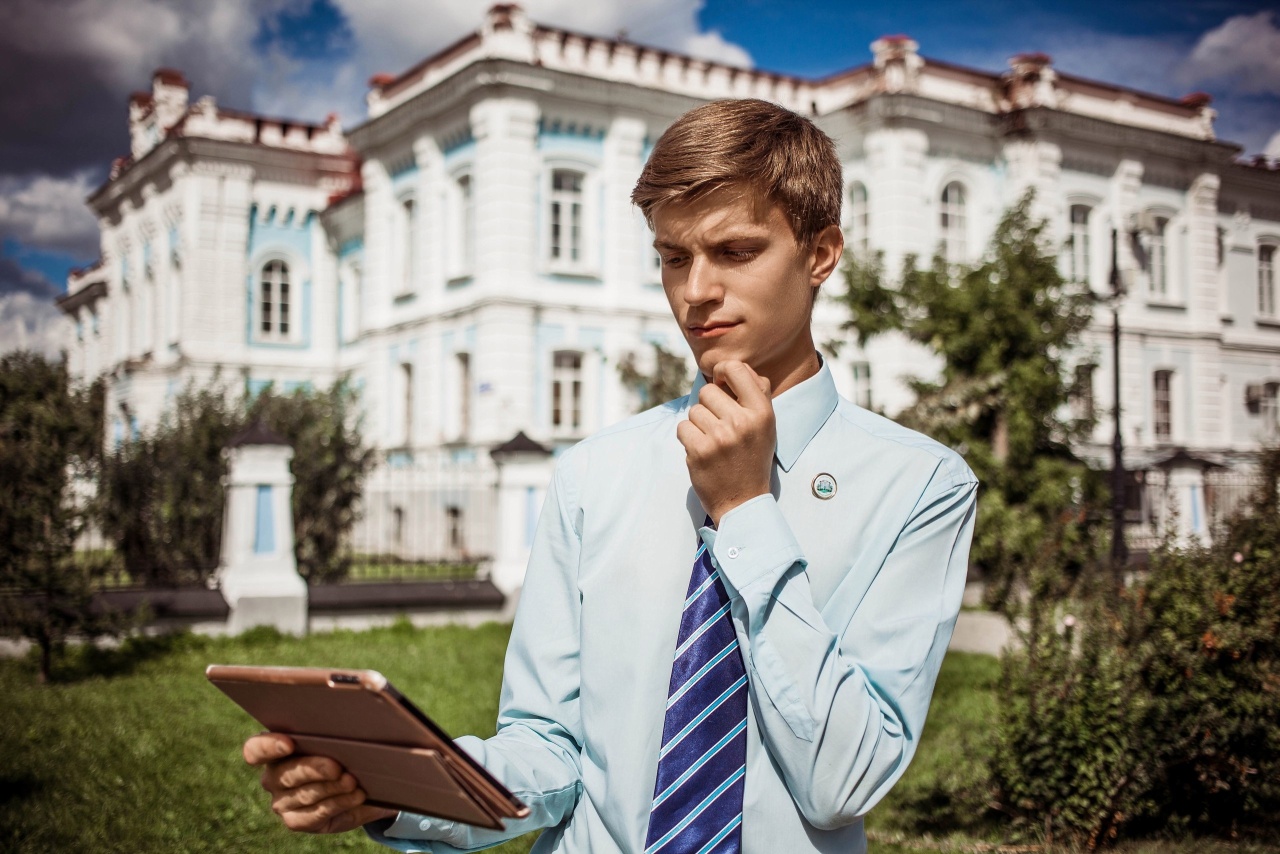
{"points": [[1163, 715]]}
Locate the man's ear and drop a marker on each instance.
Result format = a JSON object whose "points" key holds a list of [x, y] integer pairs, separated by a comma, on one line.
{"points": [[827, 249]]}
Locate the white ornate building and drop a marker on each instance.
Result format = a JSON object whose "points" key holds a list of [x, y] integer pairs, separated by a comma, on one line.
{"points": [[469, 255]]}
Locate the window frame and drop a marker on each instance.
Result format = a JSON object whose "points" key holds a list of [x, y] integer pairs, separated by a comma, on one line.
{"points": [[588, 264], [859, 216], [292, 302], [1080, 258], [1265, 270], [953, 221], [1162, 409], [575, 375]]}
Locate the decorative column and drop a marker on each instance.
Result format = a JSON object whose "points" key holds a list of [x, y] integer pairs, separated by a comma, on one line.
{"points": [[258, 573], [524, 470]]}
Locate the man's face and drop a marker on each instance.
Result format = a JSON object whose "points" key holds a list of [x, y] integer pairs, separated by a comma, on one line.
{"points": [[740, 285]]}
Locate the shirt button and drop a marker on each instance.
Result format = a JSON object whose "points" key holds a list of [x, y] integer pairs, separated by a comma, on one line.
{"points": [[733, 552], [425, 824]]}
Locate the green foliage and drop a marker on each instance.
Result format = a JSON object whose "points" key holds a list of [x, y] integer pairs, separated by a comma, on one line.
{"points": [[668, 380], [139, 753], [1003, 329], [48, 442], [161, 496], [1164, 716], [329, 465]]}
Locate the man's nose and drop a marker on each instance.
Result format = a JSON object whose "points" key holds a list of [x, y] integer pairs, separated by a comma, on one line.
{"points": [[703, 284]]}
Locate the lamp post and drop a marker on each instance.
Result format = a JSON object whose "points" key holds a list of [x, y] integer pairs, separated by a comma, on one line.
{"points": [[1119, 551]]}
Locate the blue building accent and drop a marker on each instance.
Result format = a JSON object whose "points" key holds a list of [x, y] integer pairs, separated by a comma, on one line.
{"points": [[456, 141], [459, 153], [546, 336], [264, 533]]}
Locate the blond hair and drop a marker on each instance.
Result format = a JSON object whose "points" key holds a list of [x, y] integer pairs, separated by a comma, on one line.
{"points": [[749, 144]]}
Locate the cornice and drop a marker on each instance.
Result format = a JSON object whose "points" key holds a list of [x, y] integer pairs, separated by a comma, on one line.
{"points": [[1061, 126]]}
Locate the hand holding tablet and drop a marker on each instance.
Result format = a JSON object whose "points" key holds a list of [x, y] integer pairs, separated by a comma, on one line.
{"points": [[346, 748]]}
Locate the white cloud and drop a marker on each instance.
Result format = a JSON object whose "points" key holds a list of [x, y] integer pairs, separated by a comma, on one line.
{"points": [[1243, 51], [1272, 148], [31, 323], [391, 35], [49, 212]]}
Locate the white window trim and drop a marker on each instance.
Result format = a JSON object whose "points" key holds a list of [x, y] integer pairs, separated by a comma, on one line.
{"points": [[859, 231], [406, 258], [566, 429], [1173, 436], [1172, 241]]}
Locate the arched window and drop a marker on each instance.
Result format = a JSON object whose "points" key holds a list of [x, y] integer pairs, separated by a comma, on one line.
{"points": [[565, 244], [1267, 280], [274, 300], [859, 217], [1078, 255], [953, 222]]}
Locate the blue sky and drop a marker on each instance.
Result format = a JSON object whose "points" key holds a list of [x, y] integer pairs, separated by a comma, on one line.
{"points": [[66, 67]]}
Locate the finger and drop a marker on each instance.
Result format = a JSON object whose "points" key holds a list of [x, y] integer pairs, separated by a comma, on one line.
{"points": [[320, 818], [718, 401], [703, 418], [743, 382], [267, 747], [311, 794], [693, 439], [358, 817], [293, 773]]}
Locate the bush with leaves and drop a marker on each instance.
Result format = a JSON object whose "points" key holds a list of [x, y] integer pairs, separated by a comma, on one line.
{"points": [[49, 435], [161, 496], [668, 380], [1163, 715]]}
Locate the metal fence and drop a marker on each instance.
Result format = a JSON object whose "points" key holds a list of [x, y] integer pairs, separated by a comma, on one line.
{"points": [[426, 515], [1153, 506]]}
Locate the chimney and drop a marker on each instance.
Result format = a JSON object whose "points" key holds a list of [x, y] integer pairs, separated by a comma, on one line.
{"points": [[170, 91], [898, 63]]}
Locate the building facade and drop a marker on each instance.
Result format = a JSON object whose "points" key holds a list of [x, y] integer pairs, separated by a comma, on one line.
{"points": [[469, 257]]}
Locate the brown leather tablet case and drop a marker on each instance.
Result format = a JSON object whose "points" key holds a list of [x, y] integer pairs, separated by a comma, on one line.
{"points": [[401, 758]]}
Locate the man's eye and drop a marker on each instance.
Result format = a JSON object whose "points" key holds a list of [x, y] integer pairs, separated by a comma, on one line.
{"points": [[741, 254], [672, 260]]}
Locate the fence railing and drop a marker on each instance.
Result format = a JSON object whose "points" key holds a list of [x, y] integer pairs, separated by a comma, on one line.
{"points": [[1156, 510]]}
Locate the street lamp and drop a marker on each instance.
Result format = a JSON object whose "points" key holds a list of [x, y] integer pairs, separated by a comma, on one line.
{"points": [[1119, 551]]}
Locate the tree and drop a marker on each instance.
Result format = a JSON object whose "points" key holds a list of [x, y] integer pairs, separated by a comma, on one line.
{"points": [[162, 498], [668, 380], [1004, 329], [49, 436]]}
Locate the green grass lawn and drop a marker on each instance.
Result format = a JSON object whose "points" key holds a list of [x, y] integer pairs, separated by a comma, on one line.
{"points": [[133, 751]]}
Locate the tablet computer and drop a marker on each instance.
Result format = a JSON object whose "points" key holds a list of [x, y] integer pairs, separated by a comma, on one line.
{"points": [[401, 758]]}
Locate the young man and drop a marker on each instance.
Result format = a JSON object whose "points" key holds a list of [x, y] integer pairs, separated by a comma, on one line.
{"points": [[736, 603]]}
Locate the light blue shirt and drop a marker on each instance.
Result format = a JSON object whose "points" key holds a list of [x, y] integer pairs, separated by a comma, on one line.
{"points": [[843, 607]]}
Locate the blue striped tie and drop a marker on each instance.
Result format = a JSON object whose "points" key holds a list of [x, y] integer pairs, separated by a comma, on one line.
{"points": [[697, 801]]}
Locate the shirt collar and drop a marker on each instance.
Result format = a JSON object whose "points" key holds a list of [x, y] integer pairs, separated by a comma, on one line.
{"points": [[799, 412]]}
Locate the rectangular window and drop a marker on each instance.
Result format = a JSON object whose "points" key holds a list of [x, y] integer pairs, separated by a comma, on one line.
{"points": [[1270, 409], [1266, 281], [566, 216], [464, 395], [408, 259], [566, 392], [1079, 243], [1082, 397], [267, 301], [406, 378], [1162, 407], [1158, 252]]}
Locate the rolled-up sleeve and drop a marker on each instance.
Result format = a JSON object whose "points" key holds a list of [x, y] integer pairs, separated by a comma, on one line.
{"points": [[841, 698], [536, 751]]}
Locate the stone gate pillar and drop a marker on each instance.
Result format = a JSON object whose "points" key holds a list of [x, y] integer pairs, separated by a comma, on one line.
{"points": [[258, 572], [524, 472]]}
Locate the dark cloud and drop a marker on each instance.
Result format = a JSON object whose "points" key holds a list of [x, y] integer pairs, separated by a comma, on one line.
{"points": [[15, 278]]}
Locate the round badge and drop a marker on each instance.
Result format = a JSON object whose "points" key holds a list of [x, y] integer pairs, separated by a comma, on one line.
{"points": [[824, 486]]}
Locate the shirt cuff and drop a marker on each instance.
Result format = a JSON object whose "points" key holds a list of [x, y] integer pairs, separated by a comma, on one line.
{"points": [[405, 831], [753, 543]]}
